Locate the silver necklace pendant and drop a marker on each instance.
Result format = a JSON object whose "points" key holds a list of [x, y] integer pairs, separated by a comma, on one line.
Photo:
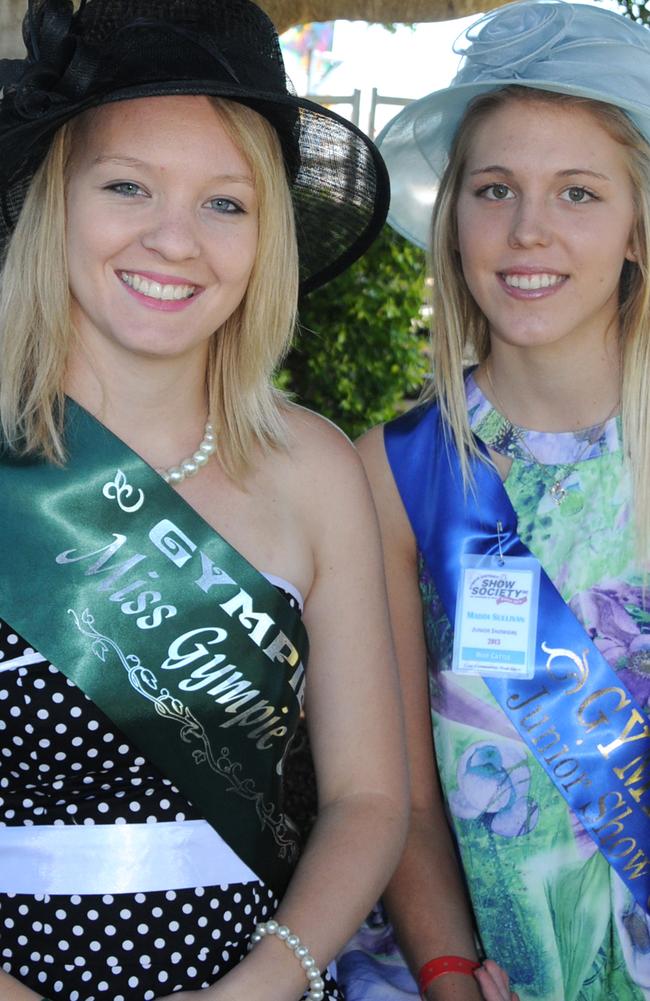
{"points": [[557, 492], [568, 501]]}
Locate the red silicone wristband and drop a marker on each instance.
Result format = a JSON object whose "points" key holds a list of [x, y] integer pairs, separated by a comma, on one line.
{"points": [[444, 964]]}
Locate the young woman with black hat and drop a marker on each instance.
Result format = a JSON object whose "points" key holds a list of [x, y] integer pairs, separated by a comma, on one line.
{"points": [[514, 509], [162, 195]]}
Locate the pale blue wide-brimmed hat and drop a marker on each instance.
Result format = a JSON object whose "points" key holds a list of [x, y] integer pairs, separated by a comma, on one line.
{"points": [[570, 48]]}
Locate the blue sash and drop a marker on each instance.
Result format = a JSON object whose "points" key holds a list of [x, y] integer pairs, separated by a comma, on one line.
{"points": [[575, 715]]}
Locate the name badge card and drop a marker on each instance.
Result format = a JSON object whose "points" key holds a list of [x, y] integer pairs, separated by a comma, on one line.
{"points": [[496, 616]]}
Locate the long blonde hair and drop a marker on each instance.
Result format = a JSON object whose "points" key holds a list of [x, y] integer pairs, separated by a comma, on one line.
{"points": [[459, 328], [36, 334]]}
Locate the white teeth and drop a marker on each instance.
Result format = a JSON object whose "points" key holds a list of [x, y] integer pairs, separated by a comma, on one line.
{"points": [[155, 290], [528, 283]]}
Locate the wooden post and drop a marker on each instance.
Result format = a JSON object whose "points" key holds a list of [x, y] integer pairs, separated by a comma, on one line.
{"points": [[11, 16]]}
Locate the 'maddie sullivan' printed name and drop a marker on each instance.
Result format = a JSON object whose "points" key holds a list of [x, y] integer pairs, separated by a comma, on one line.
{"points": [[605, 723], [495, 617], [195, 649]]}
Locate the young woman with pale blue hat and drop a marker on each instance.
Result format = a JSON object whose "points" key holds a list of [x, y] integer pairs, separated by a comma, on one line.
{"points": [[514, 508]]}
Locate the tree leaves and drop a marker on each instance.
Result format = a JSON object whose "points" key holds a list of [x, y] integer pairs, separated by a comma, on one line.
{"points": [[361, 349]]}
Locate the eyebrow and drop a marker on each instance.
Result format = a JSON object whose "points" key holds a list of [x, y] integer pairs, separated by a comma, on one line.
{"points": [[496, 168], [131, 161]]}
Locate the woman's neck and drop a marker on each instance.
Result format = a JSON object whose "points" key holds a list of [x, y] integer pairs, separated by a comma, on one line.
{"points": [[159, 410], [538, 390]]}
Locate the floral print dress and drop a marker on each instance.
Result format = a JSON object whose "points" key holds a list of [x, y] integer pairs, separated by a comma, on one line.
{"points": [[547, 905]]}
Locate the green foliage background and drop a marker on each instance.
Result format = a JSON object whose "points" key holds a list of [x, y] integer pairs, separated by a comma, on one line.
{"points": [[361, 344], [637, 11]]}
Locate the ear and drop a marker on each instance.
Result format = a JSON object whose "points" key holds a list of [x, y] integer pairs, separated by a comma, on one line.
{"points": [[632, 253]]}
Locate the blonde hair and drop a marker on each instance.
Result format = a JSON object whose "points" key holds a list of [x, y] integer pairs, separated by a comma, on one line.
{"points": [[459, 328], [36, 334]]}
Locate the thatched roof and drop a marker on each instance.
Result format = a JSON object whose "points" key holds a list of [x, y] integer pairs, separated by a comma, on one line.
{"points": [[286, 13]]}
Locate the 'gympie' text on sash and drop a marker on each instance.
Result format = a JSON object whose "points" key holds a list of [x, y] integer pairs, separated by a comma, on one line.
{"points": [[190, 651], [575, 715]]}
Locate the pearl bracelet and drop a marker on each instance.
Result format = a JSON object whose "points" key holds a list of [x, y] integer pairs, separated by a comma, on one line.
{"points": [[316, 988]]}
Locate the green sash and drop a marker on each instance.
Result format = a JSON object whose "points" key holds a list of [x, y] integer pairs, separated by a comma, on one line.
{"points": [[194, 655]]}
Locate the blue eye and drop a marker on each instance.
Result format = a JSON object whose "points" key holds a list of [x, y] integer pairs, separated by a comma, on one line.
{"points": [[496, 192], [127, 188], [225, 205], [578, 195]]}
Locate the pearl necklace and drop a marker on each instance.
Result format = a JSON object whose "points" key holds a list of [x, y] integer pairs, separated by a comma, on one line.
{"points": [[190, 467]]}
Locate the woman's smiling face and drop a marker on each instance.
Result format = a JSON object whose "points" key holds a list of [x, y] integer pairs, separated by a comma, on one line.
{"points": [[545, 214], [161, 225]]}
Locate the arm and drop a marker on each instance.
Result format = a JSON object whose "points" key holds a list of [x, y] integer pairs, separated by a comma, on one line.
{"points": [[354, 720], [426, 898], [11, 990]]}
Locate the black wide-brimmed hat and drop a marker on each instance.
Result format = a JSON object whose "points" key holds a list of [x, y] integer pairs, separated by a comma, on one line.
{"points": [[118, 50]]}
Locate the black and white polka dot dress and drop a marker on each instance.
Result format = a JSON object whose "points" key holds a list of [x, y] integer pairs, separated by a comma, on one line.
{"points": [[62, 762]]}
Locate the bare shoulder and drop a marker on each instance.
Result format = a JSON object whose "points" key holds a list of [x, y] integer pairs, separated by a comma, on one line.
{"points": [[307, 428], [324, 477], [373, 452], [319, 446], [395, 526]]}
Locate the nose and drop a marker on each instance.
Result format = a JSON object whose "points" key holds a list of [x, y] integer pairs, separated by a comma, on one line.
{"points": [[172, 234], [530, 224]]}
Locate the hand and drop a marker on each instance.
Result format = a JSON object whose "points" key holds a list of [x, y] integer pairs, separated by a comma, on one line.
{"points": [[494, 982]]}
